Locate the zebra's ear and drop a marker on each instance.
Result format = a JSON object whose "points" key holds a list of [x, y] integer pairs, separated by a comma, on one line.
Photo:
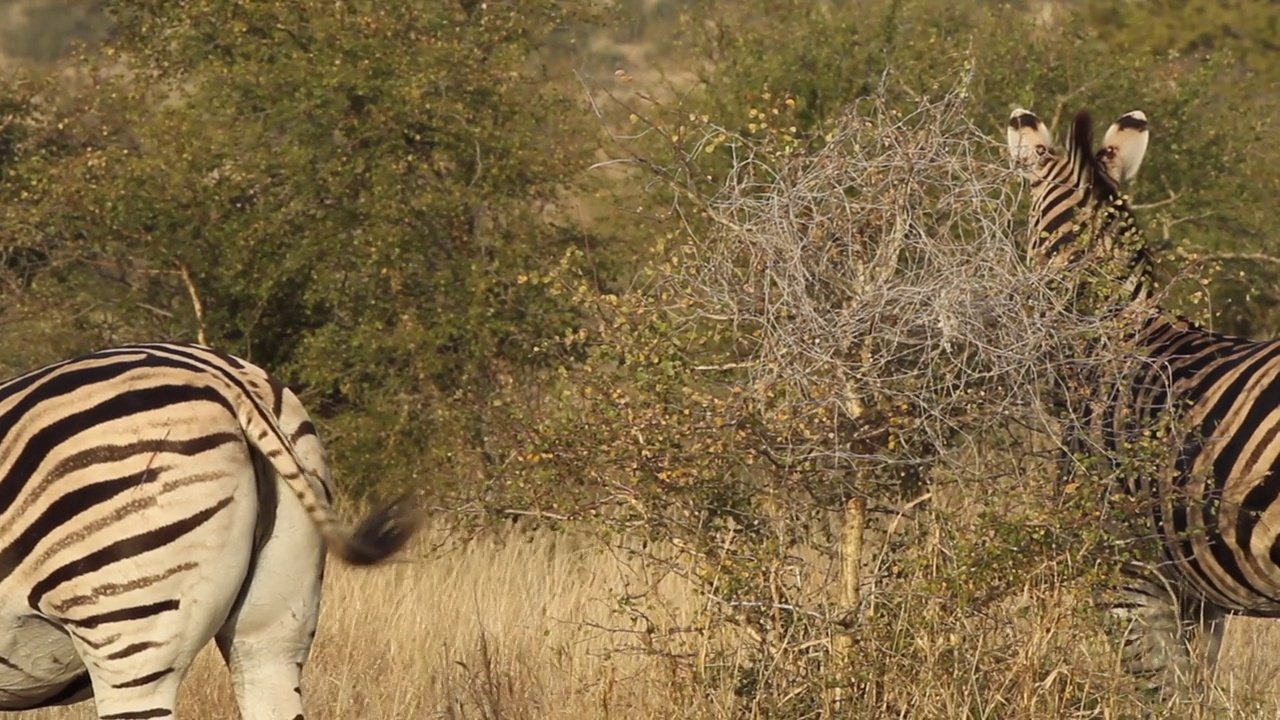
{"points": [[1029, 141], [1124, 146]]}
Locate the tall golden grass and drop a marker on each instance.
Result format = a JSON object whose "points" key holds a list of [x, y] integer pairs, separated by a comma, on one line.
{"points": [[523, 625], [506, 625]]}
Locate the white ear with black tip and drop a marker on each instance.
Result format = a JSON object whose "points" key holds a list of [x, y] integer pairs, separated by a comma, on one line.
{"points": [[1124, 147], [1029, 141]]}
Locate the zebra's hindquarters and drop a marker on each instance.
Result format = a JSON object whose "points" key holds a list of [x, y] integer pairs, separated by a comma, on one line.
{"points": [[153, 497], [143, 577]]}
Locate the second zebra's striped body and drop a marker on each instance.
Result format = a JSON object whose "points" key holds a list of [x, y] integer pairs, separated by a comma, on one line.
{"points": [[1216, 509], [154, 497]]}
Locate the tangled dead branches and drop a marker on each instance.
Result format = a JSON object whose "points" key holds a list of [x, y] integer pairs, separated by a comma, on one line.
{"points": [[882, 282]]}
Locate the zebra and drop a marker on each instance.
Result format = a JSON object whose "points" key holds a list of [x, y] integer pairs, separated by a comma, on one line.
{"points": [[1214, 510], [154, 497]]}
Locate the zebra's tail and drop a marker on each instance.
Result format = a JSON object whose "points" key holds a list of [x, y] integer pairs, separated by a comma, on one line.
{"points": [[381, 534]]}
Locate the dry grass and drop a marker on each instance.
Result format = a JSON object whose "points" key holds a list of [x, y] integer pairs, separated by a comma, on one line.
{"points": [[504, 626], [1251, 664], [522, 626]]}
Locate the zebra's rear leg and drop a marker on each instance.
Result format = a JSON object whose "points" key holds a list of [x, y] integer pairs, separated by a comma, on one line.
{"points": [[1169, 641], [267, 676], [1153, 641], [130, 695], [268, 636]]}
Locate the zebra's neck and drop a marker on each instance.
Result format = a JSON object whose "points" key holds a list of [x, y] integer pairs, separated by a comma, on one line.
{"points": [[1074, 224], [1139, 283]]}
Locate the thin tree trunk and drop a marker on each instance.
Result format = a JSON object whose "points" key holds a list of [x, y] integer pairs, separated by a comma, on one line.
{"points": [[855, 515]]}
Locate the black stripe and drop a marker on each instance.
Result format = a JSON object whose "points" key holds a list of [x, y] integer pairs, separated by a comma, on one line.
{"points": [[304, 429], [70, 379], [232, 361], [102, 454], [147, 679], [16, 385], [134, 649], [1274, 553], [19, 384], [115, 406], [63, 510], [1024, 120], [277, 395], [138, 612], [1152, 386], [1261, 446], [1131, 122], [123, 549], [139, 714], [1052, 227], [1111, 430]]}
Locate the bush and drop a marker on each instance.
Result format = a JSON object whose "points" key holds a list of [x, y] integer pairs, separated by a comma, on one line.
{"points": [[362, 199]]}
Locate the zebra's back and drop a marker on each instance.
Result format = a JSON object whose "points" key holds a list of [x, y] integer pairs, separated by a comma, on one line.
{"points": [[1218, 513]]}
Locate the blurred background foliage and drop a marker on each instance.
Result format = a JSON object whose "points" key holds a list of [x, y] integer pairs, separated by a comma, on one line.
{"points": [[415, 212]]}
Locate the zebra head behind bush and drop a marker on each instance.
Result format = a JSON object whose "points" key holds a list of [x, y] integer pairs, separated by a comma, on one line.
{"points": [[1214, 511], [153, 497]]}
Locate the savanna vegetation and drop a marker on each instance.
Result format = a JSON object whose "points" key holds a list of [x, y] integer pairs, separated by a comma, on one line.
{"points": [[699, 328]]}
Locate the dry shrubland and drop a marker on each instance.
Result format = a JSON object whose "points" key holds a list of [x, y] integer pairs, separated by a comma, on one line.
{"points": [[838, 310], [516, 625], [509, 624], [878, 320], [876, 338]]}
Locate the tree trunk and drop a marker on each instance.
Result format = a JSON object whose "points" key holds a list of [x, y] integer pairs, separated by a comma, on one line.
{"points": [[855, 513]]}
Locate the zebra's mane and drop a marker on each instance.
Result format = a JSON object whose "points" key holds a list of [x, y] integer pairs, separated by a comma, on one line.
{"points": [[1102, 195], [1080, 149]]}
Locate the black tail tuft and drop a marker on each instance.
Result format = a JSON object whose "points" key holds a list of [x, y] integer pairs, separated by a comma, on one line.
{"points": [[384, 532]]}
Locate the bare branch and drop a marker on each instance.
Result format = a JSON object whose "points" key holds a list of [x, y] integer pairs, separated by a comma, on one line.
{"points": [[196, 305], [1173, 197], [1243, 257]]}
